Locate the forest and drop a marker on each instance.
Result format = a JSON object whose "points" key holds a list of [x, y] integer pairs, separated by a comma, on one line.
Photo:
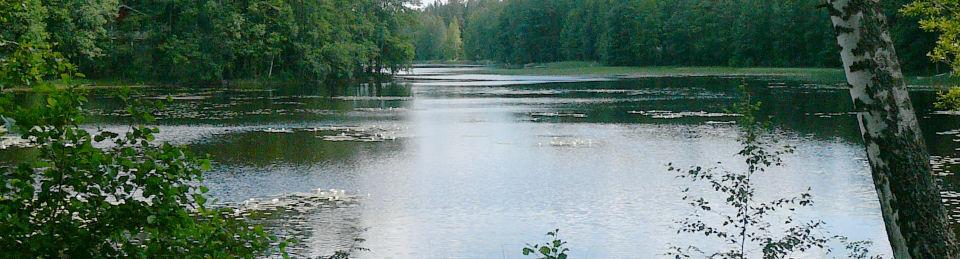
{"points": [[740, 33], [462, 128], [216, 41]]}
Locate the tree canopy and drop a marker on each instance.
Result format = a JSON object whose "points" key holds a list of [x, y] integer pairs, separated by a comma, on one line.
{"points": [[777, 33], [217, 41]]}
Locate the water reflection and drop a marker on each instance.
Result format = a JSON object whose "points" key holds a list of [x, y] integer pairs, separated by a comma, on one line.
{"points": [[468, 166], [287, 104]]}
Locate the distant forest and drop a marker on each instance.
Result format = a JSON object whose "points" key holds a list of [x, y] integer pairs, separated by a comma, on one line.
{"points": [[769, 33], [215, 41], [210, 41]]}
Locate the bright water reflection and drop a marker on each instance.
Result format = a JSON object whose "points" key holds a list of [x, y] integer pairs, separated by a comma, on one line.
{"points": [[449, 165]]}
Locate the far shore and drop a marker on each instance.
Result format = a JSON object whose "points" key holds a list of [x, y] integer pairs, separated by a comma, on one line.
{"points": [[570, 68], [819, 75]]}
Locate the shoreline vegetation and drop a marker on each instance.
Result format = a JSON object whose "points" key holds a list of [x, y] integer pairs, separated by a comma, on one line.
{"points": [[83, 192], [566, 68], [583, 68], [105, 84], [586, 68]]}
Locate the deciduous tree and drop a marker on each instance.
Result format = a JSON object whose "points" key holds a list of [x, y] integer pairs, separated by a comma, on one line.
{"points": [[916, 221]]}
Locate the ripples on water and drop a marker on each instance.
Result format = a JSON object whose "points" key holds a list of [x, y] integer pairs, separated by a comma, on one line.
{"points": [[449, 164]]}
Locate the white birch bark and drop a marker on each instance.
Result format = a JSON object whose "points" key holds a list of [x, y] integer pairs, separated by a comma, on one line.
{"points": [[916, 221]]}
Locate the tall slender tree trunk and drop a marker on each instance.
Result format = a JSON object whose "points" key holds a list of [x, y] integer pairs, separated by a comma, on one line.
{"points": [[916, 221], [270, 71]]}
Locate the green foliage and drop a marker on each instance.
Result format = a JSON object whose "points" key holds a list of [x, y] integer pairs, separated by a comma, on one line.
{"points": [[80, 29], [553, 249], [437, 40], [745, 223], [26, 57], [133, 198], [777, 33], [187, 41], [940, 16], [948, 100], [103, 194], [22, 22], [452, 42], [30, 63]]}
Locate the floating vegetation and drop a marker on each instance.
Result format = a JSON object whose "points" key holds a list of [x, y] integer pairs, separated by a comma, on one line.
{"points": [[289, 103], [949, 132], [720, 122], [609, 91], [944, 167], [776, 85], [829, 114], [277, 130], [316, 111], [298, 201], [372, 98], [940, 164], [571, 142], [952, 201], [337, 128], [676, 115], [955, 133], [389, 109], [951, 113], [13, 141], [180, 97], [557, 114], [344, 133], [307, 219], [377, 137], [247, 98], [358, 134]]}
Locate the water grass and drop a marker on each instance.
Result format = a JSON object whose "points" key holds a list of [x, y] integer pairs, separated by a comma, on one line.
{"points": [[582, 68]]}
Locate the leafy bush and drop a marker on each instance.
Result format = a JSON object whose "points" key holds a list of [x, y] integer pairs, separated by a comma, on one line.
{"points": [[949, 100], [131, 199], [104, 194], [749, 227], [552, 249]]}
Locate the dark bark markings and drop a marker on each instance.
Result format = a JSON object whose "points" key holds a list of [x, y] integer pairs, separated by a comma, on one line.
{"points": [[916, 220]]}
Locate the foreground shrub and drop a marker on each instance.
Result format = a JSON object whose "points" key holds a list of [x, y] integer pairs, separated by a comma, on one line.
{"points": [[133, 198]]}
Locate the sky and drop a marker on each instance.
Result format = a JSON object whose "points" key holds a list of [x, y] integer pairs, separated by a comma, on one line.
{"points": [[425, 2]]}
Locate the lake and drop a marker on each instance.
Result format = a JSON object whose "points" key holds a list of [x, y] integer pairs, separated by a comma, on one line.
{"points": [[451, 163]]}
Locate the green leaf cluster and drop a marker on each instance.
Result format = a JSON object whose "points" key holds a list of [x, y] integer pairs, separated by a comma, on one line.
{"points": [[746, 223], [948, 100], [26, 56], [939, 16], [101, 194], [131, 198], [207, 41], [553, 249], [220, 41]]}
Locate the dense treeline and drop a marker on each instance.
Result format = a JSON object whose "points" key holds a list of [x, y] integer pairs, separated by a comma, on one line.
{"points": [[218, 40], [782, 33], [438, 34]]}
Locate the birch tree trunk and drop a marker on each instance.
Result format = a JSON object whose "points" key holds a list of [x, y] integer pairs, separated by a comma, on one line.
{"points": [[916, 221]]}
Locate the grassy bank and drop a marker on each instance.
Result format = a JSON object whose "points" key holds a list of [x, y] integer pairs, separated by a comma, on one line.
{"points": [[86, 84], [595, 69], [105, 84], [820, 75]]}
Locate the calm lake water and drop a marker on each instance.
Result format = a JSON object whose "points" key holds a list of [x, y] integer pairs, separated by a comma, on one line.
{"points": [[447, 163]]}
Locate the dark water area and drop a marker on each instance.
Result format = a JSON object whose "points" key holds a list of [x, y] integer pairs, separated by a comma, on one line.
{"points": [[445, 163]]}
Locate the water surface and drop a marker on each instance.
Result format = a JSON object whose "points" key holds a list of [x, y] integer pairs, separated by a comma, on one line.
{"points": [[447, 163]]}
